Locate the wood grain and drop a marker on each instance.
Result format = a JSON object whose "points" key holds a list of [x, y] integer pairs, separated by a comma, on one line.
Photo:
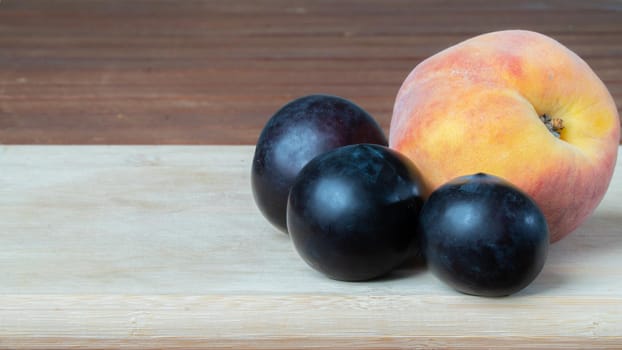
{"points": [[213, 72], [146, 247]]}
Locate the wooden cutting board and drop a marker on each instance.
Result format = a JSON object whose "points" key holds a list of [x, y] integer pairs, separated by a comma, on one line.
{"points": [[163, 247]]}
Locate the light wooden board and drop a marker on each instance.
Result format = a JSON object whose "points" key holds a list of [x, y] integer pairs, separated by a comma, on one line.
{"points": [[162, 246]]}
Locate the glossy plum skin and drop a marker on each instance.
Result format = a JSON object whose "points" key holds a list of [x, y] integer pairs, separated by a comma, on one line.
{"points": [[299, 131], [353, 212], [483, 236]]}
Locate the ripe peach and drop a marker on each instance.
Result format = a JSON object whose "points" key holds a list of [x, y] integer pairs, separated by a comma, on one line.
{"points": [[518, 105]]}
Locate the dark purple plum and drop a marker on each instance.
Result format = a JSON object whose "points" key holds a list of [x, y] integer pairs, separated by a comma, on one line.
{"points": [[483, 236], [353, 212], [299, 131]]}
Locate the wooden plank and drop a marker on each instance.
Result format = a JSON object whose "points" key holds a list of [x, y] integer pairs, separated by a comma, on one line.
{"points": [[213, 72], [145, 247]]}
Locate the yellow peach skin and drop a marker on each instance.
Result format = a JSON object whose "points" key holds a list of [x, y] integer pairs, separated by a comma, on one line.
{"points": [[479, 107]]}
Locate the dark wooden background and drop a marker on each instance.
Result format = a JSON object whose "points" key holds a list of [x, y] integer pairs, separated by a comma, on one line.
{"points": [[213, 72]]}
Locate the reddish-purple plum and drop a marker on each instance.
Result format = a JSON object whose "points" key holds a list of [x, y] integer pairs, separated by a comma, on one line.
{"points": [[483, 236], [353, 212], [298, 132]]}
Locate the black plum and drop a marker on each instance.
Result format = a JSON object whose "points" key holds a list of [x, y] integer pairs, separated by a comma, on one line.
{"points": [[483, 236], [298, 132], [353, 212]]}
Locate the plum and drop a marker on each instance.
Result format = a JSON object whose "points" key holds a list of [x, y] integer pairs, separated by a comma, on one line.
{"points": [[353, 212], [483, 236], [299, 131]]}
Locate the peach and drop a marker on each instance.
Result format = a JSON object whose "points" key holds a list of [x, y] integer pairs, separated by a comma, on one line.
{"points": [[515, 104]]}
